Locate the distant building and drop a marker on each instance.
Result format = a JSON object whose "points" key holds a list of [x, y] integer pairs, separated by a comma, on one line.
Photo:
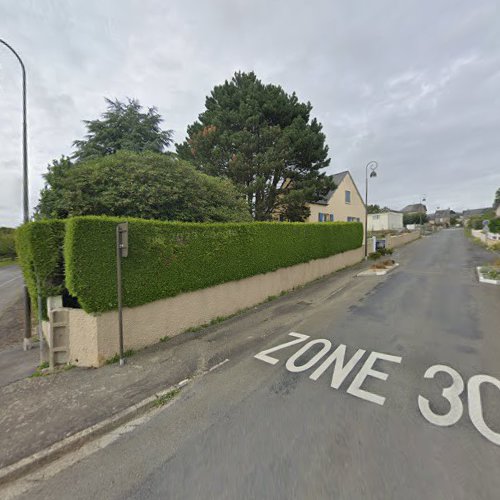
{"points": [[442, 217], [416, 208], [467, 214], [389, 220]]}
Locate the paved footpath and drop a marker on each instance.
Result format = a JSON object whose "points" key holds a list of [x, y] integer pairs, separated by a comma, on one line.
{"points": [[368, 388]]}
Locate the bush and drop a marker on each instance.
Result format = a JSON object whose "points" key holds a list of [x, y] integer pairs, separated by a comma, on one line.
{"points": [[40, 249], [7, 243], [146, 185], [494, 225], [168, 258]]}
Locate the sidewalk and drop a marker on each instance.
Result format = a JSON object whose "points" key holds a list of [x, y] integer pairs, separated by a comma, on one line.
{"points": [[37, 412]]}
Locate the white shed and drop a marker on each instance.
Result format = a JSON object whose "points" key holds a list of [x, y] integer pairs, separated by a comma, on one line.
{"points": [[385, 221]]}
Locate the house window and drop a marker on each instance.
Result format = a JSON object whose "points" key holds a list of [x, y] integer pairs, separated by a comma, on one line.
{"points": [[331, 217], [352, 219], [348, 196], [320, 217]]}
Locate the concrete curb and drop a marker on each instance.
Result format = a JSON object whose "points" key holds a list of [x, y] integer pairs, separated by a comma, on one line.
{"points": [[378, 272], [486, 280], [44, 457]]}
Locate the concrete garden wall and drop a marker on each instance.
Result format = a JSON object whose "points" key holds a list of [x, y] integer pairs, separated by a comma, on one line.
{"points": [[402, 239], [93, 338]]}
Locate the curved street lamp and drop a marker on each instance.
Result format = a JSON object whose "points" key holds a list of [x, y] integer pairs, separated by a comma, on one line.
{"points": [[26, 211], [372, 166], [422, 199]]}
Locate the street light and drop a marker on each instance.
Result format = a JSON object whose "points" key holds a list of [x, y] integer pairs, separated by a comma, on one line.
{"points": [[422, 199], [26, 214], [372, 165]]}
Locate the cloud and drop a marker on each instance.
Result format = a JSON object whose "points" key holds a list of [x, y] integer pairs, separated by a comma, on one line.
{"points": [[411, 84]]}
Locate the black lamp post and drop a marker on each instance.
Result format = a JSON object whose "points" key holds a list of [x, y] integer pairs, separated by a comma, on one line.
{"points": [[422, 199], [26, 210], [372, 166]]}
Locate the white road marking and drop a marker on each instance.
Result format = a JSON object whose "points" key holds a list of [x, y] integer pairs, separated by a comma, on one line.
{"points": [[368, 371], [451, 393], [292, 367], [218, 365], [476, 408], [263, 356], [340, 372], [10, 281]]}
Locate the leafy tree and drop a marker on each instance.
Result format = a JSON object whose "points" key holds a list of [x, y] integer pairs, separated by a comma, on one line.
{"points": [[414, 218], [7, 243], [263, 140], [496, 202], [374, 209], [147, 185], [123, 126]]}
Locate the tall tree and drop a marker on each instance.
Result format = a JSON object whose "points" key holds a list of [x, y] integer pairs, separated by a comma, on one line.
{"points": [[263, 140], [374, 209], [123, 126], [496, 201], [146, 185]]}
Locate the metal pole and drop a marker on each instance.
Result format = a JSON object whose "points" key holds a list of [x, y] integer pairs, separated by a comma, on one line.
{"points": [[366, 212], [26, 216], [119, 289], [40, 320]]}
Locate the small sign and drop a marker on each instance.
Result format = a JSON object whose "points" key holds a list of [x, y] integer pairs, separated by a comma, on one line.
{"points": [[123, 238]]}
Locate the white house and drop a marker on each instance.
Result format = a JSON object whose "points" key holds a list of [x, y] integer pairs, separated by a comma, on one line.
{"points": [[385, 221]]}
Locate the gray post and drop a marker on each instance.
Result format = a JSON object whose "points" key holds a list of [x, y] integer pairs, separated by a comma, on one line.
{"points": [[373, 166], [40, 329], [119, 290], [26, 217], [121, 251]]}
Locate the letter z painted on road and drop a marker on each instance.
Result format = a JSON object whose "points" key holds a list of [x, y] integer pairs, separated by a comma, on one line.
{"points": [[263, 356]]}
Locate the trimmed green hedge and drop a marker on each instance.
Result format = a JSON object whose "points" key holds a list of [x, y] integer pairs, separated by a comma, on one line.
{"points": [[168, 258], [39, 247]]}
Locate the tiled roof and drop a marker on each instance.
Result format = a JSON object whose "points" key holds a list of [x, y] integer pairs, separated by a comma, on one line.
{"points": [[337, 179]]}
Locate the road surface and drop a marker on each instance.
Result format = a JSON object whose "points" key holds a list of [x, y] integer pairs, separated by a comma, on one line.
{"points": [[11, 286], [375, 424], [14, 362]]}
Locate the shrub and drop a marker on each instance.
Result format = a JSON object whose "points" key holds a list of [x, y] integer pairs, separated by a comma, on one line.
{"points": [[7, 243], [40, 249], [147, 185], [494, 225], [168, 258]]}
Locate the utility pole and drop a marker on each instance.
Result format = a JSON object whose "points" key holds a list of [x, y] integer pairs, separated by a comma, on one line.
{"points": [[372, 165], [26, 210]]}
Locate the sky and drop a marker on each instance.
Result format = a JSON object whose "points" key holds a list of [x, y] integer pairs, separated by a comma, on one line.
{"points": [[413, 85]]}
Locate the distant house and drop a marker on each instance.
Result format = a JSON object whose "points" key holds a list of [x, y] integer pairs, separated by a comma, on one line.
{"points": [[387, 220], [344, 203], [416, 208], [442, 217], [497, 211], [468, 214]]}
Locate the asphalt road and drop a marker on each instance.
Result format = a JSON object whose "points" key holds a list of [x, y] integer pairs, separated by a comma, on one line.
{"points": [[11, 286], [15, 363], [257, 428]]}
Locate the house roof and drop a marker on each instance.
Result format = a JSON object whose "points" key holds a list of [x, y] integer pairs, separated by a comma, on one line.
{"points": [[415, 208], [443, 213], [337, 179], [475, 211]]}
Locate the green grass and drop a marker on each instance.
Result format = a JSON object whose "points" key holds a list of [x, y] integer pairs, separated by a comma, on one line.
{"points": [[114, 359], [165, 339], [39, 370], [7, 262], [165, 398]]}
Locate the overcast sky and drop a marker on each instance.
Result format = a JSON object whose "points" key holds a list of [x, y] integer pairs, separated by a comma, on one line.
{"points": [[414, 85]]}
